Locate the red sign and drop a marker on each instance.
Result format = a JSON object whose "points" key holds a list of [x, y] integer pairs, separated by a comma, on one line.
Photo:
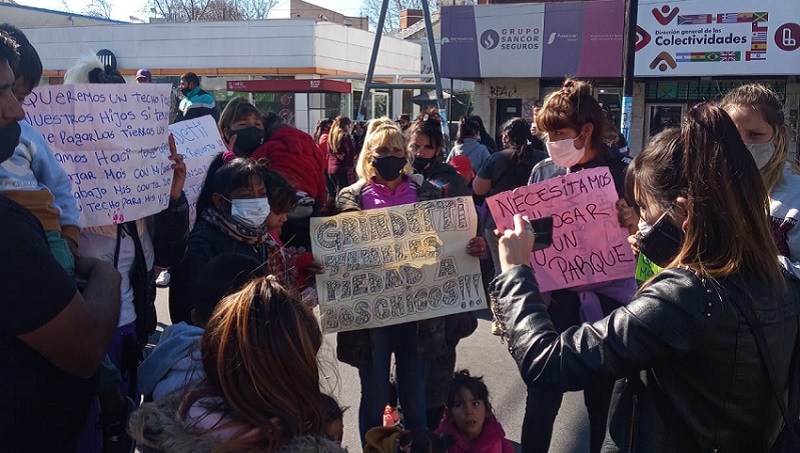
{"points": [[290, 86]]}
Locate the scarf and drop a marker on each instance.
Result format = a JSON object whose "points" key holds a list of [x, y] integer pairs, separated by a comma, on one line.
{"points": [[236, 228]]}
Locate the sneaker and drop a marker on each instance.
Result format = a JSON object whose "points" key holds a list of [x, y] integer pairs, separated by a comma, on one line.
{"points": [[390, 417], [115, 434], [163, 279]]}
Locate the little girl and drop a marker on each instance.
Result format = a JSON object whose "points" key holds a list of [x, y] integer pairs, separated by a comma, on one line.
{"points": [[469, 424]]}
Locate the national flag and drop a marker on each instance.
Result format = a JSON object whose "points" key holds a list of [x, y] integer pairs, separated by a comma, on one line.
{"points": [[759, 37], [759, 29], [761, 17], [758, 46], [730, 56], [727, 18], [696, 57], [755, 56], [695, 19]]}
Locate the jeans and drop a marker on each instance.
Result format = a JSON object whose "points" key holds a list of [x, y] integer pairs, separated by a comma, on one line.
{"points": [[412, 371], [541, 406]]}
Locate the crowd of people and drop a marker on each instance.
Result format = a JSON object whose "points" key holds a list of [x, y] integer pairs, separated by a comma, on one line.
{"points": [[701, 357]]}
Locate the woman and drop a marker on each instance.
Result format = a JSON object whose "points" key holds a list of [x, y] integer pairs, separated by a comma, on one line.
{"points": [[242, 126], [486, 139], [425, 141], [577, 131], [695, 374], [341, 154], [386, 179], [135, 248], [468, 143], [261, 392], [506, 170], [758, 115], [248, 201]]}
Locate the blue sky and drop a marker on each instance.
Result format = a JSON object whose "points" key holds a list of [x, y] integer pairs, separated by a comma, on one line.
{"points": [[123, 9]]}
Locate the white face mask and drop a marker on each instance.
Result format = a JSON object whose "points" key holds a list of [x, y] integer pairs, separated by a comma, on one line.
{"points": [[253, 211], [761, 152], [564, 153]]}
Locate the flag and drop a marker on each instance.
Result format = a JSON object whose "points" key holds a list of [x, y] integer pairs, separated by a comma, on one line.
{"points": [[757, 46], [695, 19], [761, 17], [759, 29], [730, 56], [727, 18], [759, 37], [755, 56]]}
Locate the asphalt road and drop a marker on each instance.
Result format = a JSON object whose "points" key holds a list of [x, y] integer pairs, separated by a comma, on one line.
{"points": [[482, 354]]}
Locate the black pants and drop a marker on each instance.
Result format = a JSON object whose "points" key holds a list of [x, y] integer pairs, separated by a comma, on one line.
{"points": [[541, 406]]}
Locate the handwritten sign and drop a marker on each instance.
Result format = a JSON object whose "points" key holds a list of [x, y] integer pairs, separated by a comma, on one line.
{"points": [[589, 246], [394, 265], [645, 268], [199, 142], [111, 139]]}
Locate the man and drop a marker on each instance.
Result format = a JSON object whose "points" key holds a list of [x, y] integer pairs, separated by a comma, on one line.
{"points": [[195, 102], [143, 76], [52, 337], [404, 121]]}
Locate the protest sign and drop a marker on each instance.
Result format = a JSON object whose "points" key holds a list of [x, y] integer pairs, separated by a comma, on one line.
{"points": [[589, 246], [394, 265], [111, 139], [199, 141]]}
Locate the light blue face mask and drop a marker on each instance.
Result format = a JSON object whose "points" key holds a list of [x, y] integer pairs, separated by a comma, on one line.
{"points": [[252, 211]]}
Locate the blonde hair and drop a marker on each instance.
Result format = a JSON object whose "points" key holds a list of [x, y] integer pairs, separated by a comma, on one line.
{"points": [[337, 132], [762, 99], [381, 132]]}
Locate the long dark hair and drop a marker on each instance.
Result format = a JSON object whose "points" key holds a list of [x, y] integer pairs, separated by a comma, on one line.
{"points": [[706, 162], [486, 139], [518, 132], [467, 128]]}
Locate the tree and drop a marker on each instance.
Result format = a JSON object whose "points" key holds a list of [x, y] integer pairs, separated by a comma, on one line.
{"points": [[209, 10], [97, 8], [372, 8]]}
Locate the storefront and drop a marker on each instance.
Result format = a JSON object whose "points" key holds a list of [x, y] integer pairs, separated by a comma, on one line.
{"points": [[519, 53], [224, 52], [697, 50]]}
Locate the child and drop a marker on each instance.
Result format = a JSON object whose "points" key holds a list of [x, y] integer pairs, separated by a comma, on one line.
{"points": [[333, 418], [469, 424]]}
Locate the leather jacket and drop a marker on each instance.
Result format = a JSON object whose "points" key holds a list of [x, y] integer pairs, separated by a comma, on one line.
{"points": [[691, 378]]}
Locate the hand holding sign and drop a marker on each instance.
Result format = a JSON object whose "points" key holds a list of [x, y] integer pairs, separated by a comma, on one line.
{"points": [[178, 170]]}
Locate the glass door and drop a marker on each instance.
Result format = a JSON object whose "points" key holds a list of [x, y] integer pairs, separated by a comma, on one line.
{"points": [[661, 116]]}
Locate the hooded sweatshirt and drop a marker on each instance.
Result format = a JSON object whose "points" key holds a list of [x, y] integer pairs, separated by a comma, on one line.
{"points": [[174, 363], [473, 149]]}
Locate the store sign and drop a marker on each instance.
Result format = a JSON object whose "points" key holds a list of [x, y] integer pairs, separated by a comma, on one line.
{"points": [[734, 37], [581, 39]]}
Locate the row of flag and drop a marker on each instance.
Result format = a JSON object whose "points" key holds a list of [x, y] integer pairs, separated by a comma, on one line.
{"points": [[723, 18]]}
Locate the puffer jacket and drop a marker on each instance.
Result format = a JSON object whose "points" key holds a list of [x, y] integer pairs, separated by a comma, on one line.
{"points": [[156, 428], [355, 347], [693, 379]]}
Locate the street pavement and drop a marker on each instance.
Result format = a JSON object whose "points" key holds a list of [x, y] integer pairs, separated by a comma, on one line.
{"points": [[482, 354]]}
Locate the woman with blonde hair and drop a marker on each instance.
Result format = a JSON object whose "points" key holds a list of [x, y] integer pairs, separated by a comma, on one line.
{"points": [[261, 392], [386, 179], [758, 115], [706, 353], [341, 154]]}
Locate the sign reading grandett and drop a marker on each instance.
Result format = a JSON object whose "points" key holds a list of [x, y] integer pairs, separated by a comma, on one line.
{"points": [[734, 37]]}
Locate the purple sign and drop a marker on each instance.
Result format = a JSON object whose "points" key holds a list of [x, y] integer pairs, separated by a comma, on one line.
{"points": [[461, 43], [582, 39]]}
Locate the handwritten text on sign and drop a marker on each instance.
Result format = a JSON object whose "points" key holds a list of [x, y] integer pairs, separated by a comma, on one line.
{"points": [[589, 246], [111, 139], [199, 141], [394, 265]]}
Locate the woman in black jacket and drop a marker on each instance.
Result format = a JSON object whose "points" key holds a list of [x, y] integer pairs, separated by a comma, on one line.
{"points": [[705, 353]]}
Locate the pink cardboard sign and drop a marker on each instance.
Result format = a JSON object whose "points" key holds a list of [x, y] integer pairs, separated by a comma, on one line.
{"points": [[589, 246]]}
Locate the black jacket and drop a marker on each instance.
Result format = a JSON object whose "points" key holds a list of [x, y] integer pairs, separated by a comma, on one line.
{"points": [[205, 243], [693, 377]]}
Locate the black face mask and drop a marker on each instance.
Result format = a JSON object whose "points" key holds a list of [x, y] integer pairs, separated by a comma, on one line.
{"points": [[389, 167], [9, 139], [662, 242], [421, 164], [186, 91], [247, 140]]}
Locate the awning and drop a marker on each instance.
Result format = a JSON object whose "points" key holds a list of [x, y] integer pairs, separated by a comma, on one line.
{"points": [[290, 86]]}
